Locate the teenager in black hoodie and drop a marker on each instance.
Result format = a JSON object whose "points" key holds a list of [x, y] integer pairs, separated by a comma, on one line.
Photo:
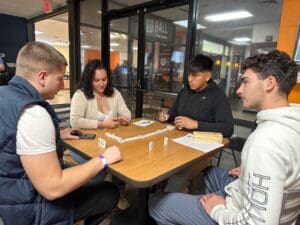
{"points": [[200, 105]]}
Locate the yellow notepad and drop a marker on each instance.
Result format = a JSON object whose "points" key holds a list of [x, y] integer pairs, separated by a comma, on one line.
{"points": [[207, 137]]}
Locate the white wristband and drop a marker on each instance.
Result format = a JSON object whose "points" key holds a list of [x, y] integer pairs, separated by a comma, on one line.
{"points": [[103, 160]]}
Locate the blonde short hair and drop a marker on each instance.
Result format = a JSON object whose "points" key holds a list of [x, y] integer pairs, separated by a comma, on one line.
{"points": [[37, 56]]}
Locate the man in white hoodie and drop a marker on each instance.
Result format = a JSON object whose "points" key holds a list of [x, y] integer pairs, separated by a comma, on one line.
{"points": [[267, 190]]}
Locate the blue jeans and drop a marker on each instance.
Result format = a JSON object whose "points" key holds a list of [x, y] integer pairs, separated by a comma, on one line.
{"points": [[185, 209]]}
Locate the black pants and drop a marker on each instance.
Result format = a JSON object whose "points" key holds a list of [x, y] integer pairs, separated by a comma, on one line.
{"points": [[94, 200]]}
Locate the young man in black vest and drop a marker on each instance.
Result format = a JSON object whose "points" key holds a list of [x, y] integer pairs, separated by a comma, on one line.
{"points": [[35, 188]]}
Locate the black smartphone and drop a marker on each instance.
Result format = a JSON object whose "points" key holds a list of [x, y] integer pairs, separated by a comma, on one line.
{"points": [[87, 136]]}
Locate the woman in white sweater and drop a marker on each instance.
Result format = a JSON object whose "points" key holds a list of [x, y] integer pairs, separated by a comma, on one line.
{"points": [[96, 104]]}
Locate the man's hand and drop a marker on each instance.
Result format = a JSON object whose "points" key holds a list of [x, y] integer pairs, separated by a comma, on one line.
{"points": [[112, 154], [163, 117], [235, 172], [110, 123], [66, 133], [210, 201], [185, 122], [124, 120]]}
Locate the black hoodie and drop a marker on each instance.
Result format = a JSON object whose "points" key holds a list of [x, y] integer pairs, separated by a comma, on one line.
{"points": [[209, 106]]}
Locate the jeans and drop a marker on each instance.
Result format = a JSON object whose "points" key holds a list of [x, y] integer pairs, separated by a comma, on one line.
{"points": [[185, 209], [94, 200]]}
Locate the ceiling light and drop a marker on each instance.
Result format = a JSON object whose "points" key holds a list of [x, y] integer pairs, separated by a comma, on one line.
{"points": [[85, 46], [114, 44], [114, 35], [226, 16], [111, 50], [239, 43], [135, 48], [242, 39], [38, 32], [184, 23], [99, 11]]}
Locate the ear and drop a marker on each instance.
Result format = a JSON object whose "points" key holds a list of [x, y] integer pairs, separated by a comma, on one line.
{"points": [[207, 75], [270, 83], [42, 77]]}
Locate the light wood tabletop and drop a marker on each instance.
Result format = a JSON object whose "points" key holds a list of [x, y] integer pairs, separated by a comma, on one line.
{"points": [[141, 167]]}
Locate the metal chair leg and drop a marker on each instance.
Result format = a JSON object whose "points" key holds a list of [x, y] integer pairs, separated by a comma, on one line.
{"points": [[220, 156], [234, 157]]}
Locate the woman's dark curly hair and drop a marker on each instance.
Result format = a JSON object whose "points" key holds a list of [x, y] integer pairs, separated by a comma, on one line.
{"points": [[277, 64], [87, 77]]}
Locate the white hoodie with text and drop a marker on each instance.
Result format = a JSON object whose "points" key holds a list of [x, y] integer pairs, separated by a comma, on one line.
{"points": [[267, 191]]}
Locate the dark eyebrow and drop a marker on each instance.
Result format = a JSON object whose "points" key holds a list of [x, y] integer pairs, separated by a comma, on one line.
{"points": [[243, 79]]}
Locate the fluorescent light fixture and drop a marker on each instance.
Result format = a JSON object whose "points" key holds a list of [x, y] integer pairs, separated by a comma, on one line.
{"points": [[85, 46], [38, 32], [113, 44], [226, 16], [239, 43], [135, 48], [114, 35], [111, 50], [242, 39], [184, 23]]}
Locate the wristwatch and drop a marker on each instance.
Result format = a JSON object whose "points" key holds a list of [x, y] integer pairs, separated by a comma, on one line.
{"points": [[103, 160]]}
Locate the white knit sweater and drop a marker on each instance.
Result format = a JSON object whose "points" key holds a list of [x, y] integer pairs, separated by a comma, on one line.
{"points": [[268, 189]]}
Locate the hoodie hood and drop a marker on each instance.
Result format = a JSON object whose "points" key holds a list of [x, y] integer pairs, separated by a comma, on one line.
{"points": [[287, 116]]}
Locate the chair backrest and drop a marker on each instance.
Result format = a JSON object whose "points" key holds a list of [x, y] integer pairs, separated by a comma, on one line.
{"points": [[237, 141], [63, 113]]}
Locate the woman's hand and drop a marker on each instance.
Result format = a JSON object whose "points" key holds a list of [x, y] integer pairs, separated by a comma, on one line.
{"points": [[124, 120], [110, 123]]}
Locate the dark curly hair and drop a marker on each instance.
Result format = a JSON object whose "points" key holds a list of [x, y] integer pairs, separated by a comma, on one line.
{"points": [[87, 77], [277, 64]]}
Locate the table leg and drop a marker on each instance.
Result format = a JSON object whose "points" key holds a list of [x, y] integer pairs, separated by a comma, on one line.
{"points": [[143, 206]]}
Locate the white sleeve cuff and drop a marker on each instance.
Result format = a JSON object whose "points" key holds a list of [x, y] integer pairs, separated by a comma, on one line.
{"points": [[216, 212]]}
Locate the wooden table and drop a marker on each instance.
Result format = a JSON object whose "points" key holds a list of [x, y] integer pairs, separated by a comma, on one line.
{"points": [[140, 167]]}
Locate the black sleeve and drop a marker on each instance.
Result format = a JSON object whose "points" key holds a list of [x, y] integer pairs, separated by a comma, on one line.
{"points": [[223, 117], [173, 111]]}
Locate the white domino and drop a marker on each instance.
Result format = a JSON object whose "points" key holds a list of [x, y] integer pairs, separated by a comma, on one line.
{"points": [[101, 143], [151, 146], [140, 136], [166, 140]]}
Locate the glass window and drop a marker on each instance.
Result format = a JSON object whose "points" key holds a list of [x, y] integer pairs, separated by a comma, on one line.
{"points": [[119, 4], [165, 49], [90, 30], [123, 58], [55, 32], [230, 31]]}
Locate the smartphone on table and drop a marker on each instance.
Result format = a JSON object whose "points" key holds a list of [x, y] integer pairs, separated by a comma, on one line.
{"points": [[84, 135], [87, 136]]}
